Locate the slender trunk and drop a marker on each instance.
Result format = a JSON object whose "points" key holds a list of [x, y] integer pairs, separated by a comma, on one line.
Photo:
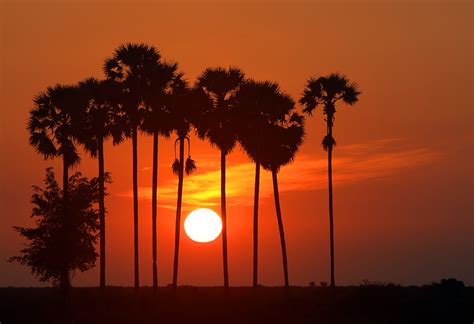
{"points": [[65, 186], [280, 227], [178, 213], [331, 219], [255, 225], [224, 222], [101, 213], [64, 277], [135, 207], [154, 199]]}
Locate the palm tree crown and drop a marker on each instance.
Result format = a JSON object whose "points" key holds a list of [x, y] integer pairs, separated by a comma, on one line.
{"points": [[157, 115], [217, 122], [326, 91], [101, 116], [283, 140], [53, 123], [259, 104], [134, 67]]}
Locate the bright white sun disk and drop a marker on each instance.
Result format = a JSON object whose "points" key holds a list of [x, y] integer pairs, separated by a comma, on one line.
{"points": [[203, 225]]}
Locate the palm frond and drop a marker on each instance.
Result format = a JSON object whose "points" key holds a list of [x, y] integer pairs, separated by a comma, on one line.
{"points": [[176, 167], [351, 94], [328, 142], [190, 165]]}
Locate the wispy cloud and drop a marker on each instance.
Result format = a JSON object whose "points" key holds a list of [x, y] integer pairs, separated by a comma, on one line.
{"points": [[353, 163]]}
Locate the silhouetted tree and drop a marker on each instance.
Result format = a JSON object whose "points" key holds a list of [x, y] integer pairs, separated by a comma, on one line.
{"points": [[258, 104], [218, 124], [132, 66], [57, 245], [327, 91], [101, 120], [282, 140], [53, 125], [157, 122], [181, 105]]}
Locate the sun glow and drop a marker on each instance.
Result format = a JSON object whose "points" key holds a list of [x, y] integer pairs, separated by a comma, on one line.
{"points": [[203, 225]]}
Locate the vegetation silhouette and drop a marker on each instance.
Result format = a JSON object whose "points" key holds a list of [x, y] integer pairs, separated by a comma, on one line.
{"points": [[99, 120], [52, 126], [282, 140], [143, 93], [217, 123], [157, 122], [183, 113], [60, 245], [327, 91], [132, 67], [259, 104], [436, 303]]}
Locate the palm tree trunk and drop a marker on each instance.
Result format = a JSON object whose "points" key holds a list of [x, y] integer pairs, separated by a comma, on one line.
{"points": [[101, 212], [64, 278], [280, 227], [178, 212], [255, 225], [224, 222], [331, 220], [154, 199], [135, 206]]}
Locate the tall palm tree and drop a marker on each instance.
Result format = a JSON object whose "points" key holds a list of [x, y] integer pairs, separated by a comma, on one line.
{"points": [[100, 122], [180, 106], [282, 140], [157, 122], [217, 123], [327, 91], [52, 126], [132, 66], [258, 104]]}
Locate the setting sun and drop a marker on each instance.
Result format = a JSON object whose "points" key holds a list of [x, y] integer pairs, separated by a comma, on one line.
{"points": [[203, 225]]}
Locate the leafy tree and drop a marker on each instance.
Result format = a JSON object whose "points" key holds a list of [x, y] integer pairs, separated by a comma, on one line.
{"points": [[58, 246], [53, 126], [327, 91]]}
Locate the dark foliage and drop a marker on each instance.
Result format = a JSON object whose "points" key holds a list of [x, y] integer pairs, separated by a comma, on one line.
{"points": [[57, 244], [52, 124]]}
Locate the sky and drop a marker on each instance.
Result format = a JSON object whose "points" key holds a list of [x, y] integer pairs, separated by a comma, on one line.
{"points": [[403, 175]]}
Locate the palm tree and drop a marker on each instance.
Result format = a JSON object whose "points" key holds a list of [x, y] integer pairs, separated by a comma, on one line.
{"points": [[180, 106], [282, 140], [100, 122], [327, 91], [217, 123], [157, 122], [52, 126], [258, 104], [132, 66]]}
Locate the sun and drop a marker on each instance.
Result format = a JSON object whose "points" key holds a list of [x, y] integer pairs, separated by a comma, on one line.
{"points": [[203, 225]]}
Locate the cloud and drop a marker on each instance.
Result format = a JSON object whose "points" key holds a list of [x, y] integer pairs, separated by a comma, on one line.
{"points": [[352, 163]]}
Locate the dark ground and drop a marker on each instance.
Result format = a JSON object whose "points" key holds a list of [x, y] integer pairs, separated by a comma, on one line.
{"points": [[365, 304]]}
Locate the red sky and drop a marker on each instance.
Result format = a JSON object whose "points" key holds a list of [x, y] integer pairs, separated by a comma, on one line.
{"points": [[403, 164]]}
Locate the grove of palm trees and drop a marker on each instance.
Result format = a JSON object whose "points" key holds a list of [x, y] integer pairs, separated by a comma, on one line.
{"points": [[142, 94], [263, 161]]}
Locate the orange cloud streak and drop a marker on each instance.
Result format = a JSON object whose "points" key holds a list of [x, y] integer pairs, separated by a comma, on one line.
{"points": [[353, 163]]}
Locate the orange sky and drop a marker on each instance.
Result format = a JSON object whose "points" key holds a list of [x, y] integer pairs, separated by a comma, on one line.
{"points": [[403, 165]]}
